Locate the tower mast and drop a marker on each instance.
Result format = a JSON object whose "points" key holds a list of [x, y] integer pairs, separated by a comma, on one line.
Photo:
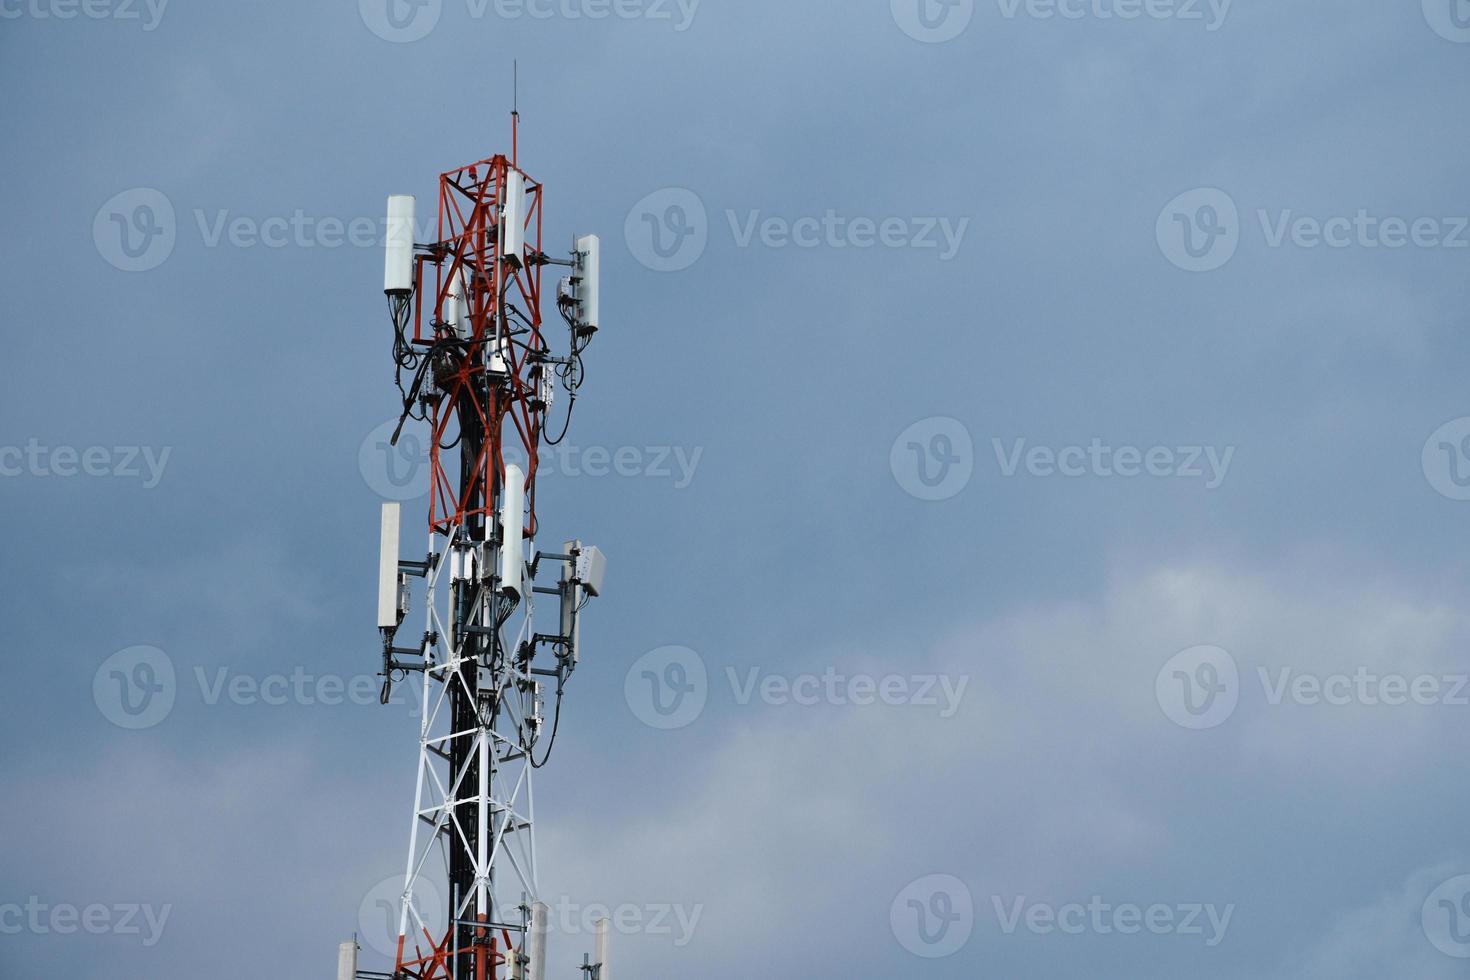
{"points": [[473, 364]]}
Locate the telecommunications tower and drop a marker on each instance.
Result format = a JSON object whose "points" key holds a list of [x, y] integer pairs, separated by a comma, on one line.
{"points": [[473, 363]]}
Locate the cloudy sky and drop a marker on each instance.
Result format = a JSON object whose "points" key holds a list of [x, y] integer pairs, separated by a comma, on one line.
{"points": [[1031, 439]]}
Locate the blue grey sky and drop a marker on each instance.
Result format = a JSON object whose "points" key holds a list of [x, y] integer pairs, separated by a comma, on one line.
{"points": [[1043, 437]]}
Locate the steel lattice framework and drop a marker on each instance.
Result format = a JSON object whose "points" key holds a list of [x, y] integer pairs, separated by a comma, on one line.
{"points": [[484, 379]]}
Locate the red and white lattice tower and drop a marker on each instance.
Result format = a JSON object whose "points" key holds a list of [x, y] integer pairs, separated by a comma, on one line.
{"points": [[473, 364]]}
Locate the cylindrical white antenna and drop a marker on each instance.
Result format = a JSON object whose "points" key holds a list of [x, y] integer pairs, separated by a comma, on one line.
{"points": [[512, 528], [457, 306], [347, 961], [588, 272], [398, 259], [602, 930], [513, 224], [538, 941]]}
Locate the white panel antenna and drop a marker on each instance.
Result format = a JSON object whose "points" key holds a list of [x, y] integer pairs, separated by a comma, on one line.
{"points": [[389, 581], [601, 956], [347, 961], [591, 569], [586, 276], [398, 258], [512, 528], [513, 223], [571, 598], [537, 942]]}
